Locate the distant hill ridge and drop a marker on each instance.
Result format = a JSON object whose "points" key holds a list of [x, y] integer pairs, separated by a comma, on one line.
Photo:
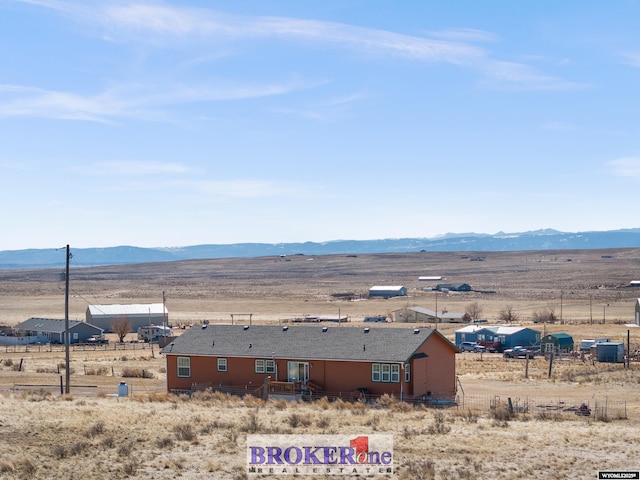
{"points": [[451, 242]]}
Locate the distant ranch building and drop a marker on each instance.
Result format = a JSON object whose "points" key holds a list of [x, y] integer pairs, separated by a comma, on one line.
{"points": [[385, 291], [139, 315], [424, 315], [453, 287], [498, 337], [54, 330], [557, 343]]}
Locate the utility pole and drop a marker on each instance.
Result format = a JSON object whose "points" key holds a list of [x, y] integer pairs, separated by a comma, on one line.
{"points": [[561, 299], [66, 325], [164, 319]]}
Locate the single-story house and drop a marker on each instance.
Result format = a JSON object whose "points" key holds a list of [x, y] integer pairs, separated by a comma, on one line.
{"points": [[406, 362], [53, 329], [138, 315], [498, 337], [387, 291], [469, 333], [556, 343], [424, 315]]}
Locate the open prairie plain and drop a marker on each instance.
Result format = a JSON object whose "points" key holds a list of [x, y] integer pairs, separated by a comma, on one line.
{"points": [[150, 434]]}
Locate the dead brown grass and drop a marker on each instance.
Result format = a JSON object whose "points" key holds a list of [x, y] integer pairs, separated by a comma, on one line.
{"points": [[204, 437]]}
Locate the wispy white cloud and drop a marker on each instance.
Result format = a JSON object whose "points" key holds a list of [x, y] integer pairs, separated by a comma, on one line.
{"points": [[626, 166], [464, 34], [159, 23], [239, 188], [132, 101], [631, 58], [518, 76]]}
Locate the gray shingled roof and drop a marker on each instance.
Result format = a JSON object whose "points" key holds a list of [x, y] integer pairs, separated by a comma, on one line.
{"points": [[302, 342], [49, 325]]}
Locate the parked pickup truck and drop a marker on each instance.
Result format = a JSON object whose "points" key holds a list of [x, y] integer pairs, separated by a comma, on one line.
{"points": [[97, 340], [518, 352]]}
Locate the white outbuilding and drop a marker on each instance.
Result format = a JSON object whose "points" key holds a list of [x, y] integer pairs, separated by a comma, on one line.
{"points": [[138, 315]]}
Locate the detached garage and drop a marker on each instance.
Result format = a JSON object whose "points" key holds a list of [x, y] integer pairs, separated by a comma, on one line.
{"points": [[556, 343]]}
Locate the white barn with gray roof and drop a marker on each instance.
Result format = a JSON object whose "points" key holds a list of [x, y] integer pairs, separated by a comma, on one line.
{"points": [[139, 315]]}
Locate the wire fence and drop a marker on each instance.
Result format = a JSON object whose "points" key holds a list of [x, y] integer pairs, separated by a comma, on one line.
{"points": [[78, 347], [598, 408], [601, 408]]}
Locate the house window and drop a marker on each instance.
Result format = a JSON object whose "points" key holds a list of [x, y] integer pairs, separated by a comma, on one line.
{"points": [[395, 373], [265, 366], [375, 372], [184, 366], [222, 364], [385, 372], [407, 372]]}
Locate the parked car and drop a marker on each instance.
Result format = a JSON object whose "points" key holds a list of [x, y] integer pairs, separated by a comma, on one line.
{"points": [[518, 352], [471, 347]]}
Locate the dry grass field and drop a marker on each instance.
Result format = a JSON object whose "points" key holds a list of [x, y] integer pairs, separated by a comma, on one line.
{"points": [[93, 433]]}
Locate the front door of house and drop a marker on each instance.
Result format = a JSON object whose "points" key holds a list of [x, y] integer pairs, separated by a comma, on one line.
{"points": [[299, 372]]}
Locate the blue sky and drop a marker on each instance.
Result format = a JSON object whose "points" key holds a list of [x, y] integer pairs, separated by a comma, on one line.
{"points": [[184, 123]]}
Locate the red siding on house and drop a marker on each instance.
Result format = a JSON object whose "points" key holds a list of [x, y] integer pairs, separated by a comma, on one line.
{"points": [[434, 374]]}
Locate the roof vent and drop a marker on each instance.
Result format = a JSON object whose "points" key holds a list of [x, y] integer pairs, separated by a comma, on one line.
{"points": [[285, 328], [366, 330], [324, 329], [246, 327], [416, 331]]}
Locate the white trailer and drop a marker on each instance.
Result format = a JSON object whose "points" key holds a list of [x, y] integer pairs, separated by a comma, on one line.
{"points": [[152, 333]]}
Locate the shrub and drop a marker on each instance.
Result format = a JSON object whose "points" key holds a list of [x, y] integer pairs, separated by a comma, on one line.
{"points": [[419, 469], [78, 447], [185, 432], [164, 442], [129, 372], [101, 371], [108, 442], [97, 429], [6, 467], [252, 425], [439, 427], [295, 420], [125, 449], [501, 413], [28, 468], [59, 452]]}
